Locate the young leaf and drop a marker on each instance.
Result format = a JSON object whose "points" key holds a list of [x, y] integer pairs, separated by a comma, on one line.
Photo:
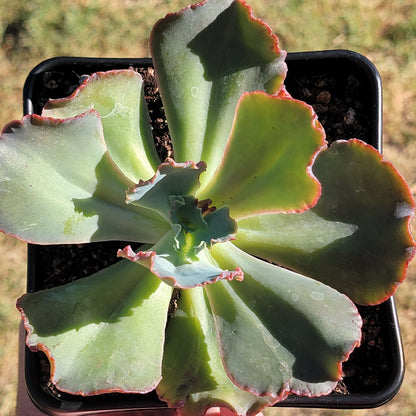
{"points": [[171, 178], [103, 333], [60, 199], [281, 332], [266, 165], [202, 78], [356, 239], [119, 99], [169, 261], [197, 364]]}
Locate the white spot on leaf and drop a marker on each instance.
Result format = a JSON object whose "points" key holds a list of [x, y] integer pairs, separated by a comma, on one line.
{"points": [[402, 210], [317, 296]]}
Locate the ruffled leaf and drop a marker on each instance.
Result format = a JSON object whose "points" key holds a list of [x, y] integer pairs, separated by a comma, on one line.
{"points": [[356, 239], [266, 165], [103, 333], [171, 178], [205, 57], [55, 198], [169, 261], [193, 374], [281, 332], [181, 257], [119, 99], [200, 229]]}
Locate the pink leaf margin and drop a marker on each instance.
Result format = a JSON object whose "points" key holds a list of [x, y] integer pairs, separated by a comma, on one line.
{"points": [[287, 388], [408, 196], [276, 43], [148, 258], [201, 166], [283, 94], [37, 120], [53, 102], [43, 348]]}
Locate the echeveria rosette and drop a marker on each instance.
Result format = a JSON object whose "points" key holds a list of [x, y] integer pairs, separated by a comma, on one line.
{"points": [[264, 174]]}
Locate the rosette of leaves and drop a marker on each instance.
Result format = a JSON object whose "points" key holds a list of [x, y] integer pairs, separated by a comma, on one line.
{"points": [[268, 234]]}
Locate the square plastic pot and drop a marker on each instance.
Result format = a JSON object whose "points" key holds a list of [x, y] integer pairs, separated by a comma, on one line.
{"points": [[345, 90]]}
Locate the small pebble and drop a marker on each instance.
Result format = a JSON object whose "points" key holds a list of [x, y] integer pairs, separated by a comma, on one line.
{"points": [[349, 116], [324, 97]]}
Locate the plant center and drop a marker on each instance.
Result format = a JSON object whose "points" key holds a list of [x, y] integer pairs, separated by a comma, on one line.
{"points": [[199, 224]]}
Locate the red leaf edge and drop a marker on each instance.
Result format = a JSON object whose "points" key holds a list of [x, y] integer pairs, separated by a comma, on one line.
{"points": [[37, 120], [286, 388], [172, 16], [411, 249], [90, 79], [149, 258], [43, 348], [184, 165], [283, 94]]}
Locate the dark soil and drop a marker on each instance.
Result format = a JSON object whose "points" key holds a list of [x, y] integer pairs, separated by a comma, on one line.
{"points": [[339, 102]]}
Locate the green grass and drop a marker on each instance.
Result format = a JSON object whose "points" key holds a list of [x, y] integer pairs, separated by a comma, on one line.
{"points": [[383, 30]]}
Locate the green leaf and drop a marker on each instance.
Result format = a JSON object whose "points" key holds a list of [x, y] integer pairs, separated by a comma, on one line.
{"points": [[171, 178], [119, 99], [103, 333], [169, 261], [356, 239], [200, 229], [205, 57], [281, 332], [185, 211], [56, 198], [266, 165], [194, 378], [220, 227]]}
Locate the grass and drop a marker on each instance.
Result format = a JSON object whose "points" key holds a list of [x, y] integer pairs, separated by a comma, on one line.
{"points": [[383, 30]]}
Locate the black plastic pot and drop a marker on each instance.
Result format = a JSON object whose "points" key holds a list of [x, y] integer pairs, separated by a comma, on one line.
{"points": [[355, 99]]}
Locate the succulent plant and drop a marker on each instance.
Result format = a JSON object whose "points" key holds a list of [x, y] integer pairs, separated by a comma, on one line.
{"points": [[268, 234]]}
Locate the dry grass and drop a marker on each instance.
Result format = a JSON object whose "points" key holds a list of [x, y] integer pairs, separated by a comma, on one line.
{"points": [[12, 285], [383, 30]]}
